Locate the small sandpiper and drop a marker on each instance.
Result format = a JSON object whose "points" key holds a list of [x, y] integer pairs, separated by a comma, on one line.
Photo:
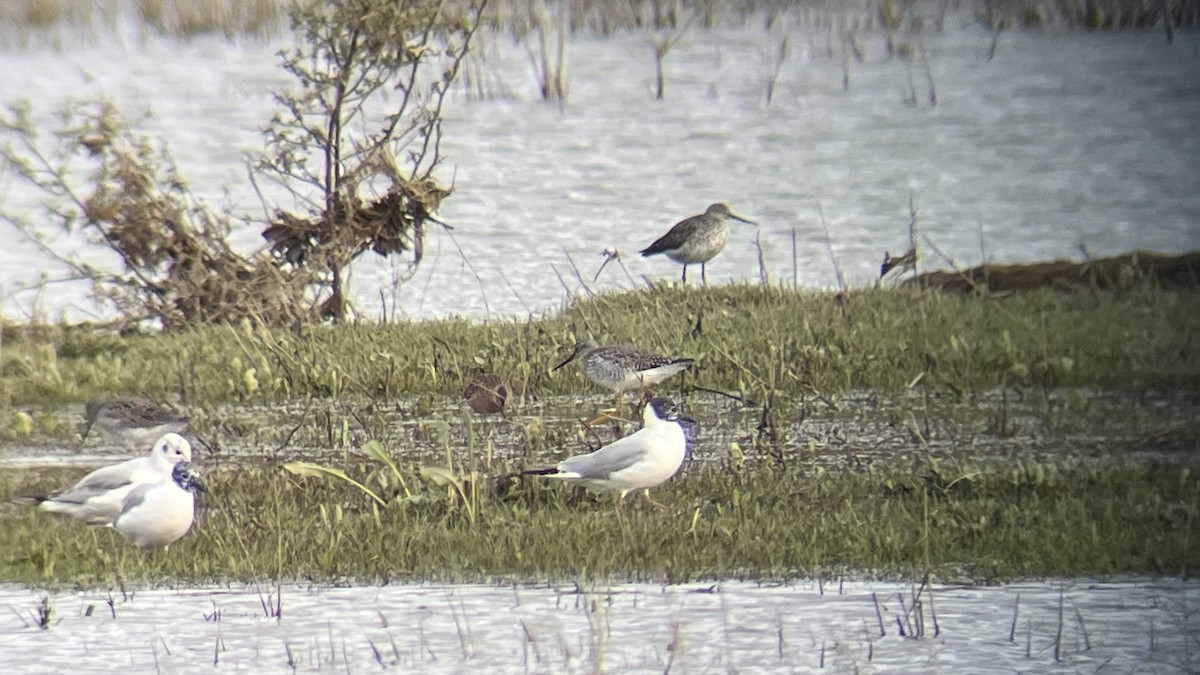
{"points": [[488, 394], [697, 239], [622, 369], [132, 423]]}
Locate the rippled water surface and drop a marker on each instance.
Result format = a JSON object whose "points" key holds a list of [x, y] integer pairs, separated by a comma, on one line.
{"points": [[1061, 627], [1061, 141]]}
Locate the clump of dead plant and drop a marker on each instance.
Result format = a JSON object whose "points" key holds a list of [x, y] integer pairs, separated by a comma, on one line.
{"points": [[354, 191], [122, 191]]}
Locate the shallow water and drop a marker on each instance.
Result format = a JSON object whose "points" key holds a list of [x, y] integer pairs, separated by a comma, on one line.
{"points": [[1137, 625], [855, 429], [1061, 141]]}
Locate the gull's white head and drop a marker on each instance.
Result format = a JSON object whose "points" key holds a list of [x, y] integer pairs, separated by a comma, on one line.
{"points": [[173, 448]]}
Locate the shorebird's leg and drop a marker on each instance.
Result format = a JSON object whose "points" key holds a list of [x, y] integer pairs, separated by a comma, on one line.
{"points": [[704, 274], [685, 275], [651, 501], [613, 414]]}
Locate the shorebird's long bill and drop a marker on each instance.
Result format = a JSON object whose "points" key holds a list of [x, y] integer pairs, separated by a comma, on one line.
{"points": [[744, 220], [574, 353]]}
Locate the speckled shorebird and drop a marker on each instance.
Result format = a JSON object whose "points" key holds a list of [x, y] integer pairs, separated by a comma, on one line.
{"points": [[639, 461], [132, 423], [488, 394], [697, 239], [622, 369]]}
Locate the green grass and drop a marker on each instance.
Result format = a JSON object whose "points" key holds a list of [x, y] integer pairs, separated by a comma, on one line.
{"points": [[1082, 507], [979, 521], [762, 342]]}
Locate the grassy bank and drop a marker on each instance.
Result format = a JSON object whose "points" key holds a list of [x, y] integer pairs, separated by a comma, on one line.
{"points": [[760, 342], [939, 479], [966, 521]]}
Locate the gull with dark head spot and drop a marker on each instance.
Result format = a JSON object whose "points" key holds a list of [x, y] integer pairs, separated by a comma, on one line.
{"points": [[158, 514], [98, 496], [639, 461], [697, 239]]}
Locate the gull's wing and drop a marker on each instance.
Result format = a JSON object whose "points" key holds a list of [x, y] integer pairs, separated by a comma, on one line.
{"points": [[135, 497], [112, 477], [616, 456]]}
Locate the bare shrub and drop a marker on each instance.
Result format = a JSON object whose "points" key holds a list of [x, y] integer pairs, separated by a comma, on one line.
{"points": [[375, 190]]}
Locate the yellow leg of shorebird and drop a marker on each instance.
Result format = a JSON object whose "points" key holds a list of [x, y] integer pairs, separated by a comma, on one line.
{"points": [[614, 414]]}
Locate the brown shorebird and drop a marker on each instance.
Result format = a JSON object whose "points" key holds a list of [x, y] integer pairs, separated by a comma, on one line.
{"points": [[697, 239], [488, 394], [132, 423]]}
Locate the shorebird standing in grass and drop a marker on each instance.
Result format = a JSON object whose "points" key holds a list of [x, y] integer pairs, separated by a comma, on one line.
{"points": [[132, 423], [98, 497], [697, 239], [158, 514], [639, 461], [622, 369], [488, 394]]}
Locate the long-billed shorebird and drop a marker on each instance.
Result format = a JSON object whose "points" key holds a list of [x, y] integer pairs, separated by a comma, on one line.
{"points": [[158, 514], [98, 497], [621, 368], [132, 423], [639, 461], [697, 239]]}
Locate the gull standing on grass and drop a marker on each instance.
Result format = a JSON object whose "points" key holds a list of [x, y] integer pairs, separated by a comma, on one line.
{"points": [[622, 369], [639, 461], [131, 423], [697, 239], [98, 498], [158, 514]]}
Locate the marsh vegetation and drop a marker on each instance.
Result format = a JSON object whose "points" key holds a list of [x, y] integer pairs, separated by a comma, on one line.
{"points": [[891, 431], [872, 431]]}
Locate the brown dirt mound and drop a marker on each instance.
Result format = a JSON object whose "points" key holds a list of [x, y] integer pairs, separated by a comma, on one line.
{"points": [[1163, 270]]}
